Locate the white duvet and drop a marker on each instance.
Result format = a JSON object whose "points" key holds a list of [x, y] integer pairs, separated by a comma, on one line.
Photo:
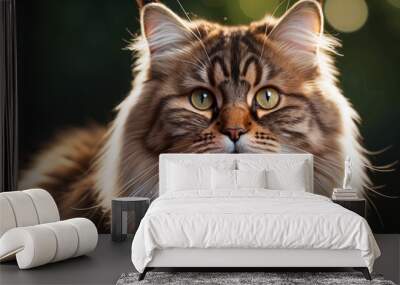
{"points": [[253, 218]]}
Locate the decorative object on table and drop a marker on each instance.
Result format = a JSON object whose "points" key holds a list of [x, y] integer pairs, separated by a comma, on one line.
{"points": [[357, 205], [346, 192], [127, 212], [347, 174], [31, 231], [248, 278]]}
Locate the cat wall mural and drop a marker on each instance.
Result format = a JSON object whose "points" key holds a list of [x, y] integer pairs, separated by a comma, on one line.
{"points": [[205, 87]]}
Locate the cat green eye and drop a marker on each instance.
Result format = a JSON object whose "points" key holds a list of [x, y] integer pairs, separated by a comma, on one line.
{"points": [[267, 98], [202, 99]]}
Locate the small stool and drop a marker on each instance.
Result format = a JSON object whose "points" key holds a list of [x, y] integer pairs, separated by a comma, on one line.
{"points": [[126, 213]]}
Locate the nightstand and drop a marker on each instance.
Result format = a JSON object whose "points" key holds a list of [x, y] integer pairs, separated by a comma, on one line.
{"points": [[126, 214], [358, 206]]}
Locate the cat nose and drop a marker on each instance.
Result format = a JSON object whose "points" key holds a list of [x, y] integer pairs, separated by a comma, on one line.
{"points": [[234, 121], [233, 133]]}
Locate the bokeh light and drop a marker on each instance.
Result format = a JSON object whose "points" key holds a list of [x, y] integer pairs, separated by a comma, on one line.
{"points": [[214, 3], [257, 9], [346, 15], [395, 3]]}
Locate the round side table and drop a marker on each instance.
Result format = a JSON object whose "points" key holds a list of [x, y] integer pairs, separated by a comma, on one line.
{"points": [[126, 214]]}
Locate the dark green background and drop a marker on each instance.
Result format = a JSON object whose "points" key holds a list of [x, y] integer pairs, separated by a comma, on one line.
{"points": [[73, 71]]}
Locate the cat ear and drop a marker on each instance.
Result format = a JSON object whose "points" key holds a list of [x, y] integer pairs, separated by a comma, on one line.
{"points": [[300, 27], [164, 31], [141, 3]]}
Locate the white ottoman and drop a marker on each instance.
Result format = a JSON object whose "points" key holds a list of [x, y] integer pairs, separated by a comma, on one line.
{"points": [[31, 232]]}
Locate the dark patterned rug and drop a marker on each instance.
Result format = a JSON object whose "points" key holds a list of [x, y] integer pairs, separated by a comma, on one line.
{"points": [[243, 278]]}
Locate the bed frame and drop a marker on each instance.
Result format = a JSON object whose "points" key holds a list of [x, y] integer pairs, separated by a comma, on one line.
{"points": [[256, 259], [248, 259]]}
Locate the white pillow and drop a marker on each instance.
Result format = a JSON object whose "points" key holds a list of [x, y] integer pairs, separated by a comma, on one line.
{"points": [[251, 178], [282, 174], [293, 180], [224, 179], [200, 161], [182, 178]]}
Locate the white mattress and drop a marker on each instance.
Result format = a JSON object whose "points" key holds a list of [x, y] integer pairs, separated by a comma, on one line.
{"points": [[253, 218]]}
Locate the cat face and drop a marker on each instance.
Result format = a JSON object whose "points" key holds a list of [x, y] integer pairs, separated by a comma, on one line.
{"points": [[201, 87], [255, 88]]}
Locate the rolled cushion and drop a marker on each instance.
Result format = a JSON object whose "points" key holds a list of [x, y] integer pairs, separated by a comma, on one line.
{"points": [[67, 240], [87, 234], [26, 208], [41, 244], [45, 205], [7, 218], [23, 208], [33, 246]]}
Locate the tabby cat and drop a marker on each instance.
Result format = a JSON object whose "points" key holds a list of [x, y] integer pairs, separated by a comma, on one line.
{"points": [[202, 87]]}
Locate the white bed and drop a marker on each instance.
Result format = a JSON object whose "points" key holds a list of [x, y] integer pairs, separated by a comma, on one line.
{"points": [[231, 226]]}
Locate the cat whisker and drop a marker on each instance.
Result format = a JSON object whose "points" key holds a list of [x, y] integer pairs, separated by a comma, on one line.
{"points": [[266, 142], [316, 157], [287, 5], [209, 149], [383, 168], [266, 30], [130, 33], [370, 202], [320, 160], [378, 168], [339, 167], [194, 64], [138, 178], [330, 175], [87, 208], [328, 168], [154, 195], [331, 164], [145, 188], [135, 190], [266, 149], [84, 196], [184, 146], [371, 152], [196, 36], [327, 175], [322, 188], [129, 42], [380, 194], [333, 150], [197, 59]]}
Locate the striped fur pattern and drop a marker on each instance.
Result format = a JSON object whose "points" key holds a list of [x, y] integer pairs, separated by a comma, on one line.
{"points": [[176, 57]]}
